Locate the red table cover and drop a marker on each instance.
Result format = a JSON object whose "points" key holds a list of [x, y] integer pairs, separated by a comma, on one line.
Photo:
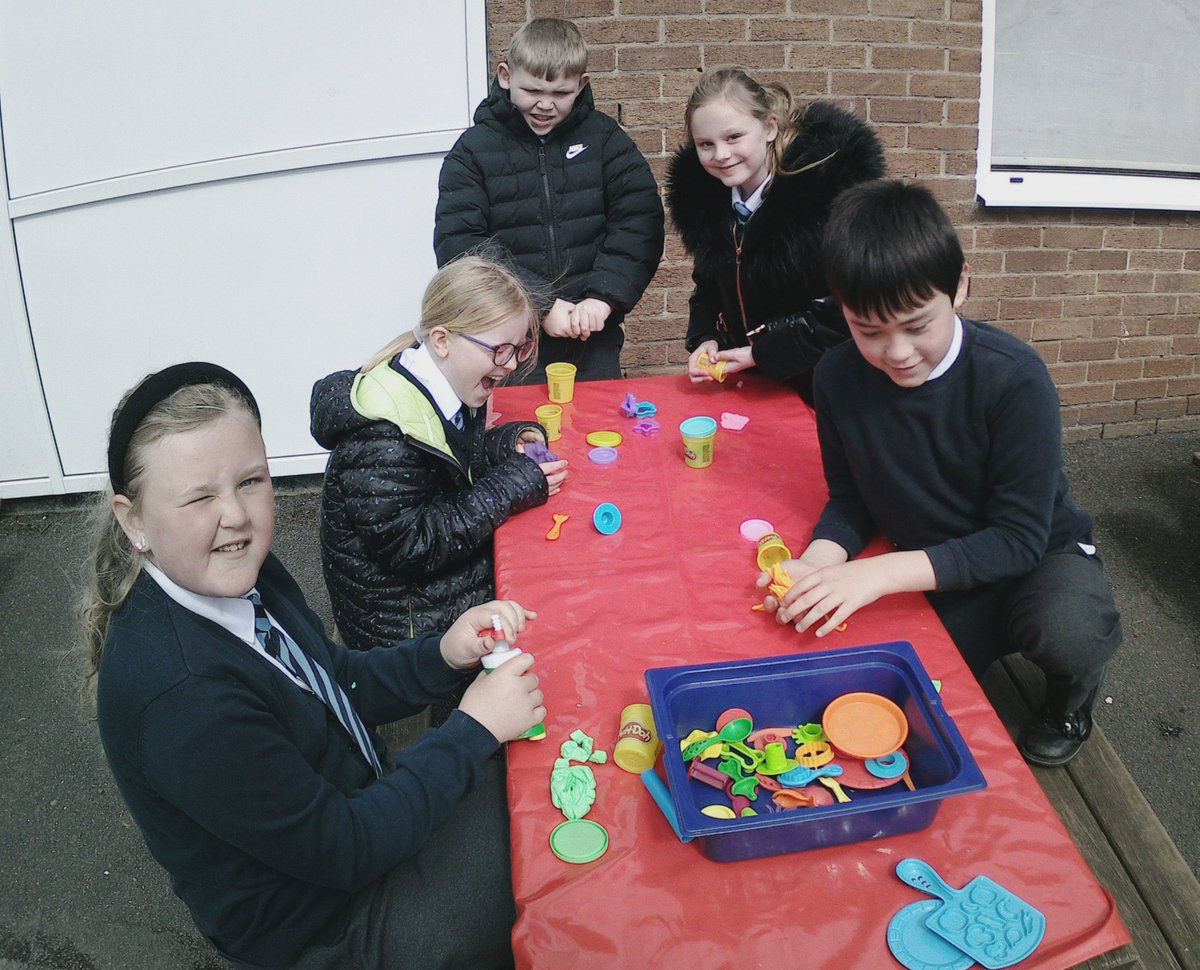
{"points": [[673, 586]]}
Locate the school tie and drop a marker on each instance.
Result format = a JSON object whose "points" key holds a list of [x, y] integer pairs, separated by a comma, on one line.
{"points": [[743, 212], [458, 420], [284, 649]]}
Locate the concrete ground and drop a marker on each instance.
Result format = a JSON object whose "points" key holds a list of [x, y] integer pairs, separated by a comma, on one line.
{"points": [[78, 891]]}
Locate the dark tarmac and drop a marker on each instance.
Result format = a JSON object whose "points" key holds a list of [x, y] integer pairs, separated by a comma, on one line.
{"points": [[78, 890]]}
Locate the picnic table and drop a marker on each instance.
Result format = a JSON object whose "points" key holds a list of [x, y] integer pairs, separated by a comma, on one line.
{"points": [[674, 585]]}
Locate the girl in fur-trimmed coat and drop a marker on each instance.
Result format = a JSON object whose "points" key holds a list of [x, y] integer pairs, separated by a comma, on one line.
{"points": [[749, 196]]}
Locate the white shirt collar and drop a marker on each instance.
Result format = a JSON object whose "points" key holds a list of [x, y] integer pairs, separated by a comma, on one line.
{"points": [[952, 354], [232, 613], [229, 612], [756, 197], [419, 362]]}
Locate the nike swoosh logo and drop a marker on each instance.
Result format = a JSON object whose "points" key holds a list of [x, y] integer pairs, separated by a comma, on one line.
{"points": [[576, 150]]}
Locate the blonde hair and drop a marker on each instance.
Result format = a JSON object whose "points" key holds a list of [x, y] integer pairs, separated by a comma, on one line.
{"points": [[547, 47], [761, 101], [113, 564], [468, 295]]}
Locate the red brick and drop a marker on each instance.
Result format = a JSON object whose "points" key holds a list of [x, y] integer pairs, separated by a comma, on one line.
{"points": [[1123, 237], [967, 10], [648, 140], [1091, 306], [1057, 284], [969, 36], [650, 58], [717, 7], [965, 61], [827, 56], [1002, 285], [753, 56], [700, 29], [1189, 423], [577, 9], [1177, 282], [869, 82], [941, 85], [1070, 435], [1119, 327], [1035, 261], [673, 7], [1165, 261], [1089, 350], [1072, 237], [906, 110], [908, 58], [1172, 325], [1182, 237], [869, 30], [839, 8], [1136, 304], [1085, 394], [621, 30], [1114, 370], [1168, 367], [1124, 282], [944, 138], [1183, 385], [1191, 261], [1115, 428], [1007, 237], [510, 11], [1146, 387], [626, 85], [1061, 329], [649, 114], [1104, 413], [1062, 374], [962, 112], [1171, 407], [1185, 345], [1147, 346], [935, 9], [793, 29], [1108, 259]]}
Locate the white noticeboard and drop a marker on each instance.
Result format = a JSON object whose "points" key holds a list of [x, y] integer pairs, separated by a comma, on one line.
{"points": [[252, 184]]}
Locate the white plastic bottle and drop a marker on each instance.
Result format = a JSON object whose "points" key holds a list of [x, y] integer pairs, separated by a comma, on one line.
{"points": [[501, 653]]}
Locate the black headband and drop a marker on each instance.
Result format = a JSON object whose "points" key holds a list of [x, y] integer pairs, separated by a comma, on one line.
{"points": [[152, 391]]}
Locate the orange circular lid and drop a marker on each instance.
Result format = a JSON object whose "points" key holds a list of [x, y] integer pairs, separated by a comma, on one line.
{"points": [[864, 725]]}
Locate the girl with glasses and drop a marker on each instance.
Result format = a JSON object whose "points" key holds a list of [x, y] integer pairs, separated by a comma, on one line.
{"points": [[416, 483]]}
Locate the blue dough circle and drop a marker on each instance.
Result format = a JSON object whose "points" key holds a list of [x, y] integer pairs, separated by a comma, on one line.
{"points": [[919, 948], [606, 518]]}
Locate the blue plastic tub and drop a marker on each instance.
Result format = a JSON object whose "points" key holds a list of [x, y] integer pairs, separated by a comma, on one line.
{"points": [[795, 690]]}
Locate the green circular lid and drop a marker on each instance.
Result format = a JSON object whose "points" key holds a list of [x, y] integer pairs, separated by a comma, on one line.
{"points": [[579, 840]]}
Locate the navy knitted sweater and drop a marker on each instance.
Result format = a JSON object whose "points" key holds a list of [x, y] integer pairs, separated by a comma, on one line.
{"points": [[967, 467]]}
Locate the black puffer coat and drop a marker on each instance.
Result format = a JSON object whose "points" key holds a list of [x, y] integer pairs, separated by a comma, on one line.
{"points": [[578, 216], [780, 262], [406, 535]]}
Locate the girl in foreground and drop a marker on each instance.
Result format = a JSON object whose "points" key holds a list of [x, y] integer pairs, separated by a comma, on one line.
{"points": [[240, 736]]}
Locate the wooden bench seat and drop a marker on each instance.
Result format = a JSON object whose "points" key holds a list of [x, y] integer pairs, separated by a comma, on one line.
{"points": [[1118, 834]]}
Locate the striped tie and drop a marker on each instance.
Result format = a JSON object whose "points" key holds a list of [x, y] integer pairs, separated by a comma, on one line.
{"points": [[283, 648]]}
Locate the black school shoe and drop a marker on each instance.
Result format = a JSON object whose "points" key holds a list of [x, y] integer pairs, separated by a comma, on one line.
{"points": [[1053, 739]]}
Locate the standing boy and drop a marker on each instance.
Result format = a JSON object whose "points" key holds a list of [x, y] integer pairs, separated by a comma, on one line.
{"points": [[554, 187], [944, 434]]}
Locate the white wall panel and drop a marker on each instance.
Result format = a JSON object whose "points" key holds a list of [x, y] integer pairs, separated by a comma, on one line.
{"points": [[282, 278], [97, 91]]}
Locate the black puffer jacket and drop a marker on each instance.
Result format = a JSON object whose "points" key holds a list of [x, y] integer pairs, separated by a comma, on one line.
{"points": [[780, 262], [406, 533], [578, 216]]}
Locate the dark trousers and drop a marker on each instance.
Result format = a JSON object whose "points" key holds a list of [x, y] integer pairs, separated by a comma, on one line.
{"points": [[449, 906], [1061, 616], [596, 359]]}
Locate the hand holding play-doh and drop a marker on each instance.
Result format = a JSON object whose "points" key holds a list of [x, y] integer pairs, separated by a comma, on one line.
{"points": [[503, 652]]}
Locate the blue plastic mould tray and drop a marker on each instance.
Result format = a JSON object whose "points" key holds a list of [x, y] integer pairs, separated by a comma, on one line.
{"points": [[793, 690]]}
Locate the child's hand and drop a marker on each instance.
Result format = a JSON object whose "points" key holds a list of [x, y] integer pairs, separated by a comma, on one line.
{"points": [[506, 701], [555, 472], [559, 320], [694, 372], [591, 315], [469, 638], [529, 436], [736, 358]]}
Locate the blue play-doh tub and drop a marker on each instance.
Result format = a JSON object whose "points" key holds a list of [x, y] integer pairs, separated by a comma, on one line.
{"points": [[792, 690]]}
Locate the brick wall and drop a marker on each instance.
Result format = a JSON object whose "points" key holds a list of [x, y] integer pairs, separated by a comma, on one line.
{"points": [[1110, 298]]}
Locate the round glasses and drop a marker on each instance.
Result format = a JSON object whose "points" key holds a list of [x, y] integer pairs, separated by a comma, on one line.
{"points": [[503, 353]]}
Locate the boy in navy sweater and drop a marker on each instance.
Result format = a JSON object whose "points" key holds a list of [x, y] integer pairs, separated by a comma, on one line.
{"points": [[944, 434]]}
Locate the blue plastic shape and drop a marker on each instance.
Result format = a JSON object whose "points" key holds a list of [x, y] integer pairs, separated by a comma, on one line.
{"points": [[795, 689], [606, 518]]}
